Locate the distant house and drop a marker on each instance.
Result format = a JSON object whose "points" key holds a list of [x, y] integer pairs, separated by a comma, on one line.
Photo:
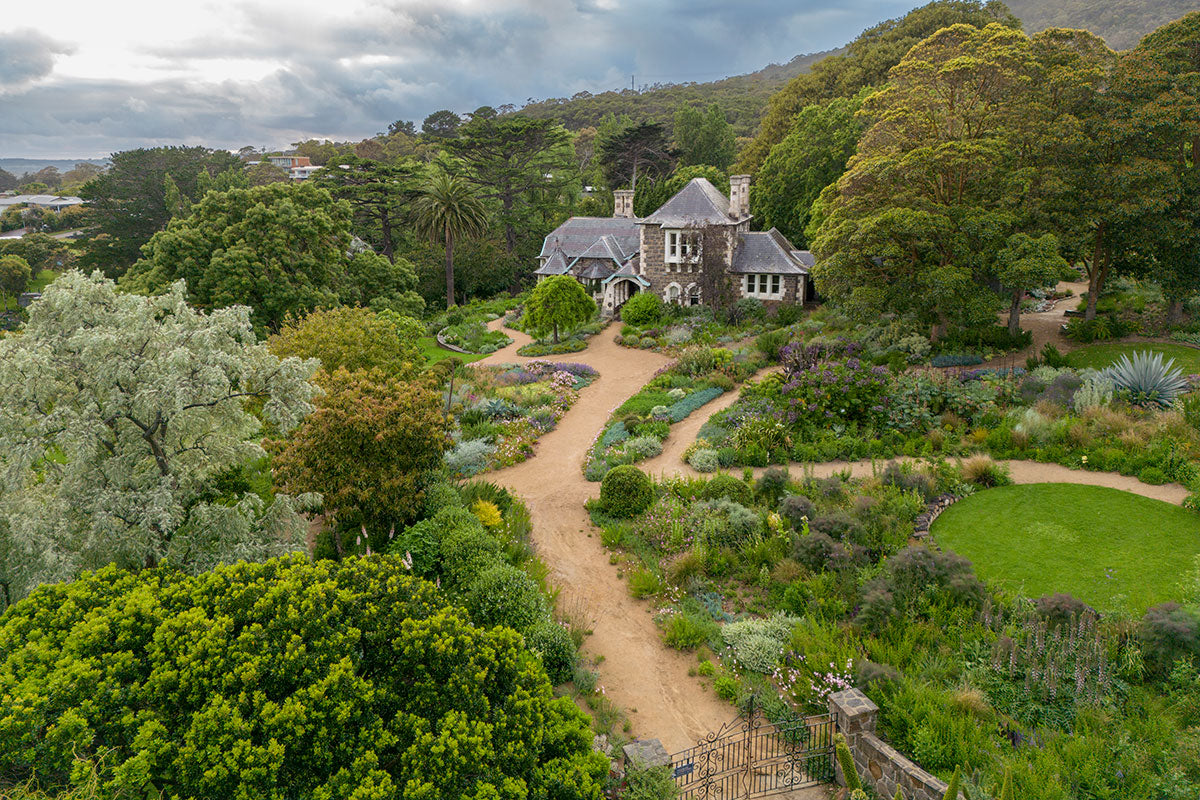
{"points": [[620, 256], [298, 167], [51, 201]]}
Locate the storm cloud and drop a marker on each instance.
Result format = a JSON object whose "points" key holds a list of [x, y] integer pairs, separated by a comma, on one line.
{"points": [[348, 76]]}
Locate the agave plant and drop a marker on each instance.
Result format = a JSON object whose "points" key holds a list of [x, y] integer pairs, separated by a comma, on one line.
{"points": [[1148, 380]]}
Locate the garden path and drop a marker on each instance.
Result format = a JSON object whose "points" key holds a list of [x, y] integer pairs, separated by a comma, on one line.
{"points": [[639, 674]]}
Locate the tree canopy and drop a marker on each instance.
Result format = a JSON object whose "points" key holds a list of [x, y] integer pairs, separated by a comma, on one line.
{"points": [[281, 249], [14, 276], [128, 202], [353, 339], [367, 449], [280, 680], [704, 137], [558, 302], [127, 430]]}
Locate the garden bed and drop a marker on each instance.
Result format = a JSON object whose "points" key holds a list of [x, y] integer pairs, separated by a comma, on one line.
{"points": [[501, 411], [788, 590]]}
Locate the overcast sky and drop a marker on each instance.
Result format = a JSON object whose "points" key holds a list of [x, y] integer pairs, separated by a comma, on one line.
{"points": [[84, 78]]}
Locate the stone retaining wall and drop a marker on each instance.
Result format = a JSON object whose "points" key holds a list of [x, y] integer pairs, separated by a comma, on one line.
{"points": [[879, 764], [442, 343], [933, 510]]}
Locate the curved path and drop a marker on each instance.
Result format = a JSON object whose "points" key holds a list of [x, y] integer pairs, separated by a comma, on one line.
{"points": [[638, 673]]}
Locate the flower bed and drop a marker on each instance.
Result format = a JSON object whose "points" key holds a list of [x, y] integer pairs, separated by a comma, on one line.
{"points": [[638, 427], [789, 590], [501, 411]]}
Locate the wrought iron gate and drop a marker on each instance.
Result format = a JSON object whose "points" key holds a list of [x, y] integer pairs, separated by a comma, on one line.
{"points": [[753, 757]]}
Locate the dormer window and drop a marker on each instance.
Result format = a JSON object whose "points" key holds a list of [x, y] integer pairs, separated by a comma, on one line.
{"points": [[682, 247]]}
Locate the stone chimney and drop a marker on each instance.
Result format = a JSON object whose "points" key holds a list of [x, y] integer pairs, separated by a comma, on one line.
{"points": [[739, 196], [623, 203]]}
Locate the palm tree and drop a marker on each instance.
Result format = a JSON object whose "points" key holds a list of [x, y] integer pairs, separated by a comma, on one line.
{"points": [[446, 209]]}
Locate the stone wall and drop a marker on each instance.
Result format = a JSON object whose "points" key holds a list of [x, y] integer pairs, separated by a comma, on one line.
{"points": [[933, 510], [879, 764]]}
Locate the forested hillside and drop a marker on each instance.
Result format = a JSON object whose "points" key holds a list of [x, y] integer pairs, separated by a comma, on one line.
{"points": [[1121, 23], [742, 97]]}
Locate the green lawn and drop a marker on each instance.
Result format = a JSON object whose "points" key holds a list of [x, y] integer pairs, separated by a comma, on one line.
{"points": [[1101, 355], [1112, 549], [37, 284], [434, 354]]}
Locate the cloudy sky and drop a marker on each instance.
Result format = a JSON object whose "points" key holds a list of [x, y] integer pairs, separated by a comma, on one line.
{"points": [[82, 78]]}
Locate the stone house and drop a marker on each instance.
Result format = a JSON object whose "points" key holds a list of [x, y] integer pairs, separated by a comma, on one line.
{"points": [[620, 256]]}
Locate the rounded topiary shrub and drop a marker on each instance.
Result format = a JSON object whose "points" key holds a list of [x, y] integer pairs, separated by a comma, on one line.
{"points": [[626, 491], [553, 643], [504, 595], [644, 446], [644, 308], [728, 486], [467, 552], [796, 509]]}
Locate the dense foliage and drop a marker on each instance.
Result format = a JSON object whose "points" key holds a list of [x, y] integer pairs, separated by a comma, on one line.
{"points": [[129, 428], [353, 339], [278, 680]]}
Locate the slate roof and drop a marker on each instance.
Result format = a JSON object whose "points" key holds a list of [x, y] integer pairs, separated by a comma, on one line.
{"points": [[769, 252], [594, 268], [626, 271], [698, 203], [578, 234], [556, 264], [607, 247], [805, 257]]}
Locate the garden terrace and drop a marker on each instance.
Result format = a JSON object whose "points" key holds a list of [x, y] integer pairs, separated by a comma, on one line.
{"points": [[793, 589]]}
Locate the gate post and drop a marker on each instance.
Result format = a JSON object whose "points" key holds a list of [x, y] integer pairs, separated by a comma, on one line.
{"points": [[853, 713]]}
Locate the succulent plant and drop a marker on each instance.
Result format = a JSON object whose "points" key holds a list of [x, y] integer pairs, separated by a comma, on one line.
{"points": [[1148, 380]]}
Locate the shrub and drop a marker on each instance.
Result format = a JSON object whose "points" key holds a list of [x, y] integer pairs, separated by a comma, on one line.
{"points": [[469, 457], [688, 631], [705, 460], [1153, 476], [724, 523], [795, 509], [770, 343], [1051, 357], [487, 512], [1169, 632], [788, 313], [649, 783], [1095, 392], [441, 495], [956, 360], [625, 492], [466, 552], [504, 595], [644, 447], [643, 309], [818, 552], [758, 643], [643, 583], [983, 471], [772, 484], [729, 487], [553, 643]]}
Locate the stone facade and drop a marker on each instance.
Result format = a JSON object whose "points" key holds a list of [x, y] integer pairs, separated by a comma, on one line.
{"points": [[880, 765]]}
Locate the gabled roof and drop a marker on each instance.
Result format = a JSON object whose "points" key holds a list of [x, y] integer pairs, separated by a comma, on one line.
{"points": [[606, 247], [578, 234], [698, 203], [769, 252], [626, 271], [556, 264], [805, 257]]}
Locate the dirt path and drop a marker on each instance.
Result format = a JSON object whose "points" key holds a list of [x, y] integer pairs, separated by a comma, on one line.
{"points": [[638, 672]]}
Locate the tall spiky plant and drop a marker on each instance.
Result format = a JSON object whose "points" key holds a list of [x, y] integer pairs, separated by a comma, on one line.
{"points": [[1148, 380], [846, 760], [1006, 789], [446, 210], [952, 788]]}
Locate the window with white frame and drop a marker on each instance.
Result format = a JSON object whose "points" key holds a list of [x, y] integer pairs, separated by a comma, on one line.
{"points": [[681, 248], [762, 286]]}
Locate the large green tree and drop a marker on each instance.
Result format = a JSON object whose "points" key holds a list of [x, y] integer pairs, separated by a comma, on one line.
{"points": [[866, 62], [517, 162], [126, 425], [558, 302], [280, 680], [128, 202], [704, 137], [367, 449], [282, 249], [378, 191], [1027, 263], [936, 188], [635, 150], [14, 276], [446, 210], [812, 156], [354, 338]]}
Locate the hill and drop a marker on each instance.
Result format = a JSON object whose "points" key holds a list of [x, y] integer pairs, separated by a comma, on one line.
{"points": [[742, 97], [1121, 23]]}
